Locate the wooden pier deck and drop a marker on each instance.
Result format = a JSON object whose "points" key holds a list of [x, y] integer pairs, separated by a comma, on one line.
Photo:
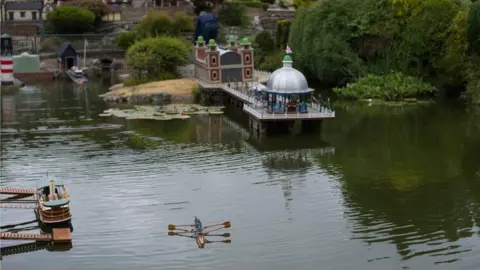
{"points": [[59, 235], [17, 191]]}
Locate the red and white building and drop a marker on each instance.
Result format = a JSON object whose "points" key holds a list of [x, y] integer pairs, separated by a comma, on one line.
{"points": [[234, 63]]}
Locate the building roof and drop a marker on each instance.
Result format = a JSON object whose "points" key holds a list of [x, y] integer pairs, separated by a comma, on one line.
{"points": [[37, 5], [61, 50], [287, 80], [114, 8]]}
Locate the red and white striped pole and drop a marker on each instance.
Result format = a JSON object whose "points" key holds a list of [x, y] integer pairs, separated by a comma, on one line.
{"points": [[6, 64], [6, 59]]}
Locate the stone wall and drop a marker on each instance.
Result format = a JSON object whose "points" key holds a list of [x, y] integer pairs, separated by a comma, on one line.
{"points": [[270, 18]]}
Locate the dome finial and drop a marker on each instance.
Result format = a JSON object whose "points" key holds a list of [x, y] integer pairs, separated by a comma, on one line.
{"points": [[287, 61]]}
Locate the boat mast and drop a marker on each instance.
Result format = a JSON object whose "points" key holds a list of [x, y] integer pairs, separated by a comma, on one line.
{"points": [[85, 53]]}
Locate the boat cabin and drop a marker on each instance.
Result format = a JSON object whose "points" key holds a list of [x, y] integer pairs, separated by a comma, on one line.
{"points": [[67, 57]]}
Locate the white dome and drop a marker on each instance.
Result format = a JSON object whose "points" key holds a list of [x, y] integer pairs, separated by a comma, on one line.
{"points": [[287, 80]]}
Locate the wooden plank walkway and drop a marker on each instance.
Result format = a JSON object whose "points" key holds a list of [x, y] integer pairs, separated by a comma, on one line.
{"points": [[17, 191], [26, 236], [18, 206]]}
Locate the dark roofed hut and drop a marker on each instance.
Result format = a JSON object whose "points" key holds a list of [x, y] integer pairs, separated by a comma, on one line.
{"points": [[67, 57]]}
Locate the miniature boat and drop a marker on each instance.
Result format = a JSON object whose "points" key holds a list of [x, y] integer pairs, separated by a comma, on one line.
{"points": [[53, 204], [76, 72], [199, 232]]}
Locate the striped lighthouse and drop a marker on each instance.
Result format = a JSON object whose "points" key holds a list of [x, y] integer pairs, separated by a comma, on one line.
{"points": [[6, 60]]}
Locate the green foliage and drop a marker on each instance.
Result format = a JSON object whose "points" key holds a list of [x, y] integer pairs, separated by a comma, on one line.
{"points": [[157, 23], [305, 3], [269, 61], [282, 30], [126, 39], [473, 78], [233, 14], [340, 41], [205, 5], [392, 87], [157, 58], [182, 22], [474, 27], [250, 3], [68, 19], [98, 7], [264, 41]]}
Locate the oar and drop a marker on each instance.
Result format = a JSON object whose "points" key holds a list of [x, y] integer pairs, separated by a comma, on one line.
{"points": [[173, 226], [212, 230], [177, 234], [222, 235], [225, 224], [228, 241]]}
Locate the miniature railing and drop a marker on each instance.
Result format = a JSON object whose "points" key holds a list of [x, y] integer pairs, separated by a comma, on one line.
{"points": [[241, 95], [322, 112], [262, 72]]}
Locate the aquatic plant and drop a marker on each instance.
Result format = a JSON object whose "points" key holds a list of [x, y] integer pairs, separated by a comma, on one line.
{"points": [[392, 87]]}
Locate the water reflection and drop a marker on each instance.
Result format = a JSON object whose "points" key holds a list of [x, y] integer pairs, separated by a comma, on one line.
{"points": [[409, 178]]}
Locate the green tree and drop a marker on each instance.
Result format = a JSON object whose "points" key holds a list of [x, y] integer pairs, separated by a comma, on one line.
{"points": [[98, 7], [282, 30], [68, 19], [157, 58], [264, 41], [126, 39], [474, 27], [155, 23], [233, 14]]}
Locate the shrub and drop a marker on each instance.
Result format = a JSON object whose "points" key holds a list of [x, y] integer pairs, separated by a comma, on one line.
{"points": [[153, 57], [155, 23], [126, 39], [282, 30], [68, 19], [183, 22], [264, 41], [269, 61], [98, 7], [233, 14], [392, 87], [474, 27], [298, 3]]}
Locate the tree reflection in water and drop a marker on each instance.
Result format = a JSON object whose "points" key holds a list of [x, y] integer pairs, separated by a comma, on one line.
{"points": [[409, 177]]}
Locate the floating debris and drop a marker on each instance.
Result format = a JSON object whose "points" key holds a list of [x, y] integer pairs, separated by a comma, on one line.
{"points": [[167, 112]]}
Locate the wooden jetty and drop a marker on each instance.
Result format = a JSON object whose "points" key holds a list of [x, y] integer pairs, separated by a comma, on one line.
{"points": [[18, 201]]}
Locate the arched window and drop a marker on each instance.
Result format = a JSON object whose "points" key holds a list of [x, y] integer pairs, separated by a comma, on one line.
{"points": [[214, 60], [247, 59], [247, 72]]}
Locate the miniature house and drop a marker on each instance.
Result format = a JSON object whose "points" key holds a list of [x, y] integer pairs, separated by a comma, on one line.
{"points": [[67, 57], [114, 13], [220, 65], [23, 11]]}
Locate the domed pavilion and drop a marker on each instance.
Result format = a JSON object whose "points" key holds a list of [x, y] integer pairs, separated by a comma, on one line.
{"points": [[287, 90]]}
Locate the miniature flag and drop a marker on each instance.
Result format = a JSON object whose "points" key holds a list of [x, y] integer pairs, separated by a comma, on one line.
{"points": [[288, 50]]}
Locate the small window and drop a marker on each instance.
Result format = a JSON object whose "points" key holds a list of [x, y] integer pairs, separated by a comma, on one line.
{"points": [[22, 14], [247, 59], [34, 15], [214, 74], [10, 16], [247, 72], [214, 60]]}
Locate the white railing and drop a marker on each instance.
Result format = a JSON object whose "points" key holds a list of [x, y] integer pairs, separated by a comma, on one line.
{"points": [[261, 114], [262, 72], [241, 95]]}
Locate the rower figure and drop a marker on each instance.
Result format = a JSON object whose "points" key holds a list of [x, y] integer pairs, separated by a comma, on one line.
{"points": [[198, 225]]}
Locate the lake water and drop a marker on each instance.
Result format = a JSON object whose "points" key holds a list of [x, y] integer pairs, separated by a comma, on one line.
{"points": [[377, 188]]}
